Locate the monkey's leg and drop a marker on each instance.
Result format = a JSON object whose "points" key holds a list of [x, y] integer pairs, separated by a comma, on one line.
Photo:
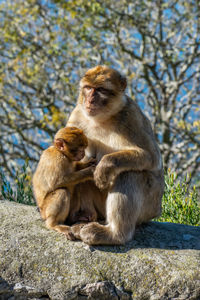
{"points": [[57, 209], [124, 203], [87, 193], [88, 211], [92, 198], [87, 203], [153, 188]]}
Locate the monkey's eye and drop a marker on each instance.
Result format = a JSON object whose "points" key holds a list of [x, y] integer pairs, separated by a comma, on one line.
{"points": [[102, 90], [87, 87], [105, 91], [74, 152], [74, 149]]}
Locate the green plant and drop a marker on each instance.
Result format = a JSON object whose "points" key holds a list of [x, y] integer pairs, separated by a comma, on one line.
{"points": [[180, 202], [22, 192]]}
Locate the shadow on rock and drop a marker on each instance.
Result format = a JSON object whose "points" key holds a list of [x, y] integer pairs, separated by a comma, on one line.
{"points": [[168, 236]]}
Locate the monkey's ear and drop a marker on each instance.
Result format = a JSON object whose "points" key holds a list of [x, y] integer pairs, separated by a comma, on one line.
{"points": [[60, 144], [123, 82]]}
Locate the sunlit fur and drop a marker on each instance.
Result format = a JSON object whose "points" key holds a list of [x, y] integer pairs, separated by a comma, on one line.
{"points": [[55, 177], [104, 76], [129, 176], [73, 137]]}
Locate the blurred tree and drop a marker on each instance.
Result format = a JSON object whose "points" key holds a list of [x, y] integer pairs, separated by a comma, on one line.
{"points": [[45, 46]]}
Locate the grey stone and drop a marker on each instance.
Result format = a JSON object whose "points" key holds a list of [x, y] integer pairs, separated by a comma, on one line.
{"points": [[161, 262]]}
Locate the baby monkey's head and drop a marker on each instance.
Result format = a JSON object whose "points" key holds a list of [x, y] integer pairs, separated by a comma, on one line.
{"points": [[72, 142]]}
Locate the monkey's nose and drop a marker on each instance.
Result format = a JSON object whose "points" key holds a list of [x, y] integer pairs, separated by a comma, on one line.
{"points": [[93, 92], [92, 100]]}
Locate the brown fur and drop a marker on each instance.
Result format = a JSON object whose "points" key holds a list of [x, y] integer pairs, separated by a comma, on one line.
{"points": [[129, 171], [104, 76], [56, 175]]}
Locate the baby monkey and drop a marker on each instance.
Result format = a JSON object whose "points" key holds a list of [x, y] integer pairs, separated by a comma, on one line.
{"points": [[58, 171]]}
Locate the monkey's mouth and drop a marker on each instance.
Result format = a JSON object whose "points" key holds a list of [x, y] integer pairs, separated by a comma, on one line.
{"points": [[92, 110], [79, 157]]}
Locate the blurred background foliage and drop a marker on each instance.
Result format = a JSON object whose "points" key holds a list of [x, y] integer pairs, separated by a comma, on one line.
{"points": [[46, 46]]}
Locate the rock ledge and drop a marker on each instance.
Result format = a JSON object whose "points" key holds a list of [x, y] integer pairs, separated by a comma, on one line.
{"points": [[162, 262]]}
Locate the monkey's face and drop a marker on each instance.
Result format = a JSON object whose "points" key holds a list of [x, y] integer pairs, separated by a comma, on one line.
{"points": [[76, 153], [74, 150], [96, 98], [101, 91], [72, 142]]}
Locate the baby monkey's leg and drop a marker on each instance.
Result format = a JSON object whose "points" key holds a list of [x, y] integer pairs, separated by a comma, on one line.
{"points": [[56, 210], [82, 207]]}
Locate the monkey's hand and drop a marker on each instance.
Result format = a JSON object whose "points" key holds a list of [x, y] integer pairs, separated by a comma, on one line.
{"points": [[92, 162], [104, 173], [82, 165]]}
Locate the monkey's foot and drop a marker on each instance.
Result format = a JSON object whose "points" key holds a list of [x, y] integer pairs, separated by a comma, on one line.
{"points": [[96, 234], [70, 236], [76, 228], [66, 230]]}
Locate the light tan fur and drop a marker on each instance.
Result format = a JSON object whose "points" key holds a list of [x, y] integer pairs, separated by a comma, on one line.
{"points": [[129, 176], [57, 174]]}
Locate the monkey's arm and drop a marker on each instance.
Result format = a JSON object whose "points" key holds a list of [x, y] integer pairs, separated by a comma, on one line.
{"points": [[76, 177], [83, 165], [135, 159]]}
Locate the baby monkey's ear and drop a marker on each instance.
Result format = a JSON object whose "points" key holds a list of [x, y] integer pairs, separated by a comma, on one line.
{"points": [[60, 144]]}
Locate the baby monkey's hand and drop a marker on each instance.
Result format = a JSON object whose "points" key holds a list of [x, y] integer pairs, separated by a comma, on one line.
{"points": [[92, 162]]}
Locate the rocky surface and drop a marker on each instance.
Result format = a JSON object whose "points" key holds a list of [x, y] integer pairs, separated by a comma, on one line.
{"points": [[162, 262]]}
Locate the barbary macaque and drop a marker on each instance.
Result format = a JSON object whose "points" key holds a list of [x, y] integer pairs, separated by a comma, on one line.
{"points": [[58, 171], [121, 139]]}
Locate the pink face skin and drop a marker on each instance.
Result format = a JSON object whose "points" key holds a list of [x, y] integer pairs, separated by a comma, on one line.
{"points": [[79, 154], [95, 98]]}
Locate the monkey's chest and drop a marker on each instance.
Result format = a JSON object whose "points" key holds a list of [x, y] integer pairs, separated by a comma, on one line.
{"points": [[112, 140], [105, 142]]}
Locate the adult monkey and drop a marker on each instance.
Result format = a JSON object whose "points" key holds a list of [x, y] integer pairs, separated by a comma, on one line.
{"points": [[130, 169]]}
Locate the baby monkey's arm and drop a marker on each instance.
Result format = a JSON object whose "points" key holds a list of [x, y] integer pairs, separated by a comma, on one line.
{"points": [[82, 165], [76, 177]]}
